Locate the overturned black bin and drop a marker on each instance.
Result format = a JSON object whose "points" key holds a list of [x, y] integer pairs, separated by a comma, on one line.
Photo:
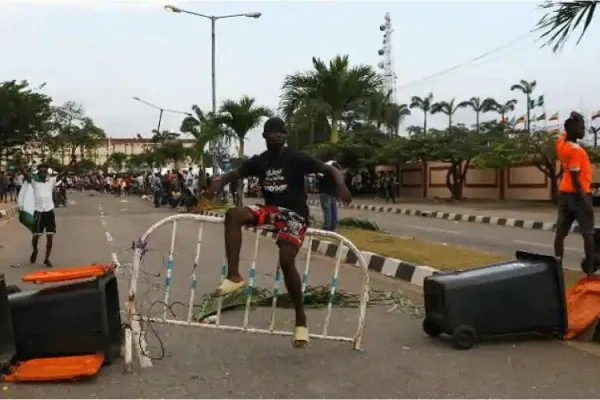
{"points": [[8, 349], [69, 319], [521, 296]]}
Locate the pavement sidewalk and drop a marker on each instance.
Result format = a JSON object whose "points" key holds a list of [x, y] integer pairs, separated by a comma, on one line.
{"points": [[529, 216]]}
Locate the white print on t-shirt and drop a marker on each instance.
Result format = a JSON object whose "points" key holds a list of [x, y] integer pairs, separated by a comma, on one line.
{"points": [[275, 181]]}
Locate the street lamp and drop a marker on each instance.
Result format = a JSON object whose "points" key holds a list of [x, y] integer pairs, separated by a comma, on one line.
{"points": [[213, 19], [162, 110]]}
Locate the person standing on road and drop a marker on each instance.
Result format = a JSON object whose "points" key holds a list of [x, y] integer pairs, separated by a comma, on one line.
{"points": [[282, 172], [327, 198], [43, 217], [575, 198], [18, 181]]}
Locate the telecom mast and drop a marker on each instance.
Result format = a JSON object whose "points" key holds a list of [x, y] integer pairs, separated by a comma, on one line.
{"points": [[387, 64]]}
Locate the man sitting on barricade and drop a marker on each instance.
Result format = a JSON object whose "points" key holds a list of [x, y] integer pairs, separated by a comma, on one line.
{"points": [[281, 172]]}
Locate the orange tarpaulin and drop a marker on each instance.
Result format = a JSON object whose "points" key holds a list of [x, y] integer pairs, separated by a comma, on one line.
{"points": [[56, 369], [583, 305], [67, 274]]}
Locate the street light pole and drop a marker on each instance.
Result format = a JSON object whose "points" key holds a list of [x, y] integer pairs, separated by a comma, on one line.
{"points": [[213, 22], [159, 119], [213, 45], [161, 111]]}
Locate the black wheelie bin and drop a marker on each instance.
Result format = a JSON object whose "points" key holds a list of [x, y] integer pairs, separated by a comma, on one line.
{"points": [[8, 347], [74, 318], [520, 296]]}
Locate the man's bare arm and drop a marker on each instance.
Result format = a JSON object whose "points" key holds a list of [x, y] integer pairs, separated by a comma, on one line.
{"points": [[335, 173], [228, 178]]}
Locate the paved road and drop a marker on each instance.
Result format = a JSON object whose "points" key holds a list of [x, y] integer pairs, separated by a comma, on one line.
{"points": [[491, 238], [399, 360]]}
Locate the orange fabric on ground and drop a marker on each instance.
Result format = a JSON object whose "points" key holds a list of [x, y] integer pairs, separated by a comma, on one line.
{"points": [[583, 305], [56, 369]]}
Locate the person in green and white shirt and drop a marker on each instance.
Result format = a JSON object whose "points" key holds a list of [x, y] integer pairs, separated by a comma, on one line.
{"points": [[44, 218]]}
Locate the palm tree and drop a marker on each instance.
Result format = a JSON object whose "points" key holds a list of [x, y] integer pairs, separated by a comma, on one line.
{"points": [[240, 117], [302, 114], [527, 89], [505, 108], [207, 130], [447, 107], [424, 104], [337, 86], [562, 18], [479, 106], [394, 115], [164, 136]]}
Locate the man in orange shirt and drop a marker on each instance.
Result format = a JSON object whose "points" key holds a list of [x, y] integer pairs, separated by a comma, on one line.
{"points": [[575, 198]]}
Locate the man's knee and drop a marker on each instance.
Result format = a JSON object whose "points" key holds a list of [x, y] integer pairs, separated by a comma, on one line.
{"points": [[239, 216]]}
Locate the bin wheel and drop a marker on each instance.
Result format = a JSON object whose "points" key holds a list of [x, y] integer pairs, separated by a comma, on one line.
{"points": [[464, 337], [431, 329]]}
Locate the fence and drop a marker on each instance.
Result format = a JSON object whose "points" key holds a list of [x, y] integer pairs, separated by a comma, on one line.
{"points": [[132, 316]]}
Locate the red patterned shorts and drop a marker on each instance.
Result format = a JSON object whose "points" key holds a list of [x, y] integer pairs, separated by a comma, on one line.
{"points": [[290, 226]]}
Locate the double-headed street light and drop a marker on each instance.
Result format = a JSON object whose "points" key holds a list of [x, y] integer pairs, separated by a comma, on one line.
{"points": [[213, 19], [162, 110]]}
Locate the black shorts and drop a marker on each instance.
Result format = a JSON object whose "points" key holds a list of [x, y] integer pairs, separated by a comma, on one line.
{"points": [[44, 222], [571, 208]]}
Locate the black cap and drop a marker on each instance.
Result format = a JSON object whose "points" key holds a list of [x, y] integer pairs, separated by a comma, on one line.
{"points": [[274, 125]]}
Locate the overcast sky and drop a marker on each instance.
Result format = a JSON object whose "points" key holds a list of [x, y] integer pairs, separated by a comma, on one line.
{"points": [[102, 53]]}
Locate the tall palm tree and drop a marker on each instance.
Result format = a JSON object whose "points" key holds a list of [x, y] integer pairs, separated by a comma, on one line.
{"points": [[505, 108], [424, 104], [241, 116], [527, 89], [479, 106], [206, 130], [448, 108], [336, 85], [164, 136], [562, 18], [394, 115]]}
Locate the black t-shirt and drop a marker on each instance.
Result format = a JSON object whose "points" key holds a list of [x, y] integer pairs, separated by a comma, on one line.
{"points": [[281, 177]]}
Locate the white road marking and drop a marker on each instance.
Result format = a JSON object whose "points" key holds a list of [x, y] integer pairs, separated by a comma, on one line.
{"points": [[428, 228], [546, 245], [123, 209], [138, 339], [124, 201]]}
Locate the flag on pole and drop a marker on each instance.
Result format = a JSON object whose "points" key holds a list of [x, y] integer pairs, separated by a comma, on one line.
{"points": [[521, 119], [596, 115], [532, 104], [541, 117], [513, 121], [553, 117], [540, 101]]}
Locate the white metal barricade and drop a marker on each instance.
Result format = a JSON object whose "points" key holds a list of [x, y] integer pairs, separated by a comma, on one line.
{"points": [[132, 318]]}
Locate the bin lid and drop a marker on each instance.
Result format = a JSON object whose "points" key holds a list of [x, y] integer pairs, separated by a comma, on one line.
{"points": [[56, 369], [67, 274]]}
